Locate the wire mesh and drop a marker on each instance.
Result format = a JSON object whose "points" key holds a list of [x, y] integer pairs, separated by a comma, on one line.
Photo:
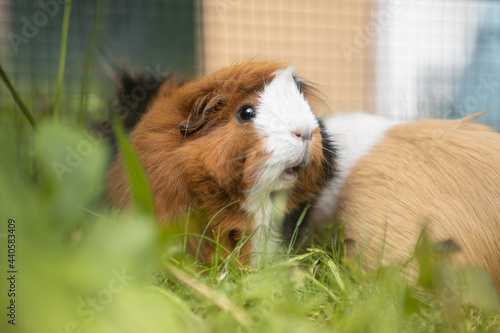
{"points": [[104, 37], [405, 59]]}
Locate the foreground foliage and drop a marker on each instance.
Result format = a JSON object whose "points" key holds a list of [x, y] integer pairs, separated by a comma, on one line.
{"points": [[82, 267]]}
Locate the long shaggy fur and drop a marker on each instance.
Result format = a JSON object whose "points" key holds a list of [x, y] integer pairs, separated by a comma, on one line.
{"points": [[199, 158]]}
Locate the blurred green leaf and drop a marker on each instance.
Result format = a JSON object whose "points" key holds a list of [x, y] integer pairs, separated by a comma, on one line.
{"points": [[424, 256], [138, 182], [72, 169], [87, 270], [98, 284], [481, 289]]}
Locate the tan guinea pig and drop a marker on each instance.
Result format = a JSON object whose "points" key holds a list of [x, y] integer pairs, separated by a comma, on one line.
{"points": [[394, 176], [240, 150]]}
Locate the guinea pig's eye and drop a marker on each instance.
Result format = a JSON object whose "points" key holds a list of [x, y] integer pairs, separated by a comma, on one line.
{"points": [[245, 113]]}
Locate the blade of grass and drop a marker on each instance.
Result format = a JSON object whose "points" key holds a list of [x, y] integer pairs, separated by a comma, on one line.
{"points": [[209, 224], [89, 60], [332, 266], [17, 99], [296, 230], [236, 252], [322, 287], [137, 180], [218, 299], [62, 59], [179, 302], [334, 269], [186, 229]]}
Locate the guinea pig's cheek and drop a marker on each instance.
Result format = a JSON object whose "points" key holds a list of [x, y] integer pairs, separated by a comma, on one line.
{"points": [[253, 167]]}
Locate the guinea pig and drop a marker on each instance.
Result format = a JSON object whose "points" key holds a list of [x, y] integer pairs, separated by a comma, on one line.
{"points": [[394, 177], [240, 151]]}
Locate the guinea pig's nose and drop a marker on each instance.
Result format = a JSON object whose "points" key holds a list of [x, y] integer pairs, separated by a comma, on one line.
{"points": [[301, 134]]}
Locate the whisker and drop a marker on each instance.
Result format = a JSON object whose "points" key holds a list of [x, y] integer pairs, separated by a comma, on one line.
{"points": [[242, 171], [329, 150], [240, 157], [248, 95], [324, 107]]}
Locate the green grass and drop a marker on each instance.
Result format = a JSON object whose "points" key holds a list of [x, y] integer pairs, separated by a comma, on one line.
{"points": [[62, 59], [17, 99], [83, 267], [71, 248]]}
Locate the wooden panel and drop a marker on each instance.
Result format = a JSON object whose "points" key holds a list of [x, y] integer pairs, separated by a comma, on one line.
{"points": [[324, 39]]}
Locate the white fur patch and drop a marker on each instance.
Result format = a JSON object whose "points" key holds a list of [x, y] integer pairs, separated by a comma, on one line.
{"points": [[281, 113], [266, 242], [282, 110], [354, 134]]}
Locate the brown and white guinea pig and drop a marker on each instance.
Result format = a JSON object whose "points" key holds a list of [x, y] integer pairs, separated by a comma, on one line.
{"points": [[241, 150], [394, 177]]}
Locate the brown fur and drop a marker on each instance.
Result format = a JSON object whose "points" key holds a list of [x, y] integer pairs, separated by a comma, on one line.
{"points": [[442, 172], [198, 157]]}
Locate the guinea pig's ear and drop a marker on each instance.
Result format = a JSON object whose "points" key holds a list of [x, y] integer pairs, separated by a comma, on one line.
{"points": [[201, 108]]}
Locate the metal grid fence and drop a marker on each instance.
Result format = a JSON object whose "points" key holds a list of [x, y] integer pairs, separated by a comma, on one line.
{"points": [[405, 59], [103, 37]]}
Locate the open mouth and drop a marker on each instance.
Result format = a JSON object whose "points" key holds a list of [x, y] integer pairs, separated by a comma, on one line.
{"points": [[290, 174]]}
